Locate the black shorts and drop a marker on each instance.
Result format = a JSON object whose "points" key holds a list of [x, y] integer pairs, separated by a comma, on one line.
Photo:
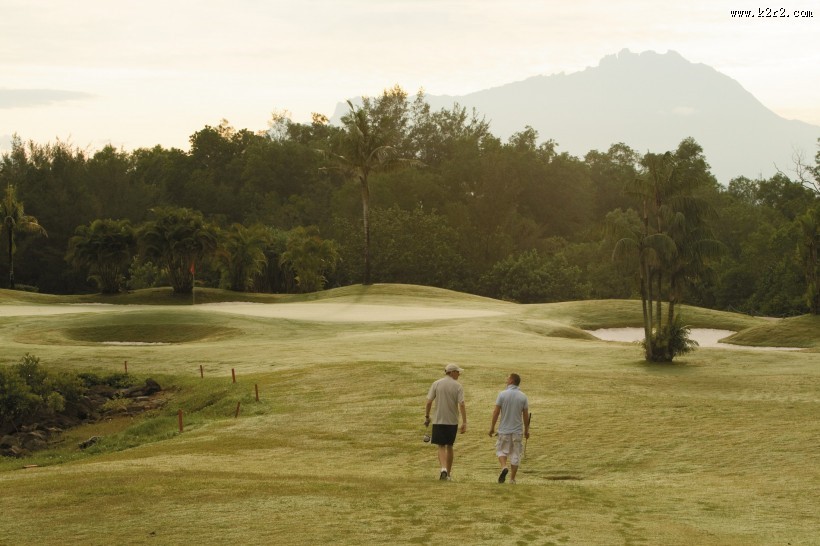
{"points": [[444, 435]]}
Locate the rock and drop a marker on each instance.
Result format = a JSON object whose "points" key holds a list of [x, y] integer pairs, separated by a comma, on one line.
{"points": [[150, 387], [90, 442]]}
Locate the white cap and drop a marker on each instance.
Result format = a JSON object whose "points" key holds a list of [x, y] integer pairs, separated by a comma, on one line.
{"points": [[452, 368]]}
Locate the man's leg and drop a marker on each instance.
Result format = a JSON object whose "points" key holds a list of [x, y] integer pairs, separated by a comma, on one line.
{"points": [[515, 457], [502, 448], [449, 459], [442, 460]]}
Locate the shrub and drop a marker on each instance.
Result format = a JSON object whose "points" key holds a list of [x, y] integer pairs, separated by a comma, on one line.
{"points": [[16, 398], [671, 341]]}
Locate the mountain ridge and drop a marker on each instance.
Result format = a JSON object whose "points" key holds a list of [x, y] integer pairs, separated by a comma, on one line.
{"points": [[649, 101]]}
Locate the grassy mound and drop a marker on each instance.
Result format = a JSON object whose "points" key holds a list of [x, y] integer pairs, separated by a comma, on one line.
{"points": [[792, 332]]}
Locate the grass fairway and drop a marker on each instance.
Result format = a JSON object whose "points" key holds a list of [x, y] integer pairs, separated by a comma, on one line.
{"points": [[720, 447]]}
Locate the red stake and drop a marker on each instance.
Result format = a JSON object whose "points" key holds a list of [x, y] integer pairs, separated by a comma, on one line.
{"points": [[256, 386], [179, 417], [237, 410]]}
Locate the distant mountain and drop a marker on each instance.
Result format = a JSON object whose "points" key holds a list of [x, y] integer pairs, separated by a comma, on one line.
{"points": [[651, 102]]}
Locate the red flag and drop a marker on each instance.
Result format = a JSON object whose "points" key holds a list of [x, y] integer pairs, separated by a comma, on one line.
{"points": [[193, 269]]}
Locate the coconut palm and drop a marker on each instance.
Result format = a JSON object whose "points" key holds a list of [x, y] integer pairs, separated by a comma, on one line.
{"points": [[369, 143], [16, 220]]}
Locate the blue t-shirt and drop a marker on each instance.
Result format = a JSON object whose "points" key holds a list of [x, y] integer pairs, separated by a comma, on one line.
{"points": [[512, 402]]}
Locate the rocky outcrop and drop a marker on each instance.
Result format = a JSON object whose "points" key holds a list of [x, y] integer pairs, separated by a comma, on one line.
{"points": [[98, 402]]}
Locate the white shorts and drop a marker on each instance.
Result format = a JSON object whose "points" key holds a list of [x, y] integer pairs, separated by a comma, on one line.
{"points": [[509, 445]]}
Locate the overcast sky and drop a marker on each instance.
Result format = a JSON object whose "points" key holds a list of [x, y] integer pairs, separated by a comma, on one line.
{"points": [[141, 73]]}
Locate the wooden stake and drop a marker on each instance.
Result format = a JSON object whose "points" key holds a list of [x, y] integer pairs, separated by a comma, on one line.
{"points": [[256, 387], [179, 418], [237, 410], [233, 374], [126, 366], [201, 371]]}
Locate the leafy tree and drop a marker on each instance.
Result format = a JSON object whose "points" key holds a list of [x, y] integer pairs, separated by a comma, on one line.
{"points": [[531, 277], [410, 246], [104, 248], [15, 220], [809, 252], [610, 173], [177, 239]]}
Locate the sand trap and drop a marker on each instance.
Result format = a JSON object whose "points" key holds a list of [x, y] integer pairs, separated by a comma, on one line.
{"points": [[316, 312], [706, 337], [61, 309], [345, 312]]}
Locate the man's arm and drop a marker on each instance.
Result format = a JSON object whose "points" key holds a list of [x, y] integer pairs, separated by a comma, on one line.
{"points": [[427, 412], [463, 409], [496, 413]]}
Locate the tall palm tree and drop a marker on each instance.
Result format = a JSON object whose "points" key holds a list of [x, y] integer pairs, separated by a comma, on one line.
{"points": [[16, 220], [672, 244], [369, 139]]}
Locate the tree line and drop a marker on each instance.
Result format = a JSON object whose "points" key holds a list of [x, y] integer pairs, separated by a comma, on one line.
{"points": [[401, 193]]}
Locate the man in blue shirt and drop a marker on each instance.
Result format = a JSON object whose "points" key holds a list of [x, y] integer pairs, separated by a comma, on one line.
{"points": [[513, 408]]}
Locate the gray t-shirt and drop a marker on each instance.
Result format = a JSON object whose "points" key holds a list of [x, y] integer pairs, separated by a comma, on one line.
{"points": [[448, 394], [512, 402]]}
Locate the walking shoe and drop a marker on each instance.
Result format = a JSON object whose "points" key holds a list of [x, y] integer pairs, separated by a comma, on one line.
{"points": [[443, 475], [512, 482], [503, 475]]}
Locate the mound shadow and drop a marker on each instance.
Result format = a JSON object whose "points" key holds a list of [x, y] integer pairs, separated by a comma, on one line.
{"points": [[147, 333]]}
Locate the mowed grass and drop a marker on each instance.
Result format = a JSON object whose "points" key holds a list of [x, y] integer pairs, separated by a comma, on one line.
{"points": [[718, 448]]}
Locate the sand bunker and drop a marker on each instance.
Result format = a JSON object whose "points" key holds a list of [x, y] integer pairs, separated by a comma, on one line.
{"points": [[706, 337], [345, 312], [316, 312]]}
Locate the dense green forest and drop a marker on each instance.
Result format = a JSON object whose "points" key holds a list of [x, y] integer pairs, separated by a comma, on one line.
{"points": [[401, 193]]}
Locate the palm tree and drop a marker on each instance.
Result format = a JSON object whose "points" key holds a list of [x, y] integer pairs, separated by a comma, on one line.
{"points": [[177, 239], [670, 241], [241, 255], [310, 257], [369, 139], [15, 220], [104, 248]]}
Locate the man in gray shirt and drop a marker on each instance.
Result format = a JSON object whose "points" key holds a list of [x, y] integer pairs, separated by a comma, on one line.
{"points": [[513, 408], [449, 396]]}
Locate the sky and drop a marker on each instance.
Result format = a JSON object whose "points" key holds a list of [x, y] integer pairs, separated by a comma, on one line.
{"points": [[140, 73]]}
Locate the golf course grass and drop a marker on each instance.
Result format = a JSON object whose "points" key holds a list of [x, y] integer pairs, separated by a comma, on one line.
{"points": [[718, 448]]}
